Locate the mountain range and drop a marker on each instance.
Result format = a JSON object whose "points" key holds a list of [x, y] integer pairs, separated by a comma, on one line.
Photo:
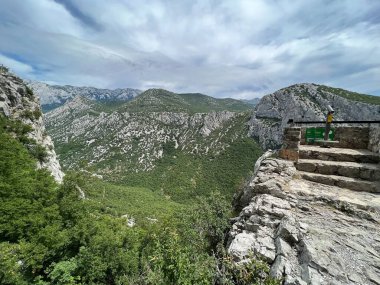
{"points": [[53, 96], [156, 133]]}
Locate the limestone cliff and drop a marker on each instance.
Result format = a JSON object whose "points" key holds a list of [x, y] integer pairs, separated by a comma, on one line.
{"points": [[18, 102], [308, 232], [307, 102]]}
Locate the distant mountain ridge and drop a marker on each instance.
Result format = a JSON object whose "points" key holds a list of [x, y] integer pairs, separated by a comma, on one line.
{"points": [[159, 100], [53, 96]]}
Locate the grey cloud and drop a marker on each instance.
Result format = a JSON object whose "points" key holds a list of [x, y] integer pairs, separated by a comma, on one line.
{"points": [[80, 15], [221, 48]]}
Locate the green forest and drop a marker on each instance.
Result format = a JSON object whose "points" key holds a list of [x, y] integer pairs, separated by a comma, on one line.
{"points": [[49, 235]]}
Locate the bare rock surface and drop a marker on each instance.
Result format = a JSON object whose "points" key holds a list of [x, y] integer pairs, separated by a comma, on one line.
{"points": [[338, 154], [16, 102], [308, 232]]}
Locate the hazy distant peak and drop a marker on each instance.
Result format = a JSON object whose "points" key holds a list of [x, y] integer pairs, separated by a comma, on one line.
{"points": [[53, 96]]}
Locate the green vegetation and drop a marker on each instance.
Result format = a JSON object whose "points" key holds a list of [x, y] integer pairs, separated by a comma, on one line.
{"points": [[140, 203], [184, 176], [32, 115], [29, 92], [160, 100], [203, 104], [179, 174], [20, 132], [370, 99], [38, 151], [48, 235], [52, 234]]}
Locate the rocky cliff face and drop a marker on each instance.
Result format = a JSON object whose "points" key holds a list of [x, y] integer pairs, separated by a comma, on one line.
{"points": [[18, 102], [309, 233], [117, 141], [53, 96], [306, 102]]}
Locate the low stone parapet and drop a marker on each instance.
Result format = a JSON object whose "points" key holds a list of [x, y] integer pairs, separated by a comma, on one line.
{"points": [[352, 137], [374, 138], [290, 143]]}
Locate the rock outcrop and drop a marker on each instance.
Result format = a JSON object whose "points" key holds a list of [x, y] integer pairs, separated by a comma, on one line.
{"points": [[19, 103], [304, 102], [308, 232]]}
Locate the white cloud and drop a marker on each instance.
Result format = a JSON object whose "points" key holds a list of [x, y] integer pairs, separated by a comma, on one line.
{"points": [[16, 66], [221, 48]]}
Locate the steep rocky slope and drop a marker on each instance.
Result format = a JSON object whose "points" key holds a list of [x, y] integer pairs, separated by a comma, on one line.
{"points": [[307, 102], [132, 137], [53, 96], [309, 233], [18, 103]]}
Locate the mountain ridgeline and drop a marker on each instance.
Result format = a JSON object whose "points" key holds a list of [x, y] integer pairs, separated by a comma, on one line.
{"points": [[183, 145], [53, 96]]}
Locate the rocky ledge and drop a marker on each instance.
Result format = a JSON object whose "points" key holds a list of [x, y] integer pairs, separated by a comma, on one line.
{"points": [[309, 233]]}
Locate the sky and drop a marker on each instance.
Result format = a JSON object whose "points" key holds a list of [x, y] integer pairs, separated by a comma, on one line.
{"points": [[239, 48]]}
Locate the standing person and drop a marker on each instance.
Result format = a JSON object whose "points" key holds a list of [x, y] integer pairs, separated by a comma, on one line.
{"points": [[329, 120]]}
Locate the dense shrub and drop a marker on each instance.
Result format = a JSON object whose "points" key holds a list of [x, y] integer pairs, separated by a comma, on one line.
{"points": [[39, 152], [48, 235], [29, 92]]}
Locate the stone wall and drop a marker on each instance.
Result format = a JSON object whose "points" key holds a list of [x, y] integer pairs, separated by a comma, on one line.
{"points": [[290, 144], [361, 137], [374, 138], [352, 137]]}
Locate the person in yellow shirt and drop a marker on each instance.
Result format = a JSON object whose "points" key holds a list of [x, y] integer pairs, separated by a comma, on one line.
{"points": [[329, 119]]}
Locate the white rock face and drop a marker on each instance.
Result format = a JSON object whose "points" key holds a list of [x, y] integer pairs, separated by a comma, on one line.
{"points": [[302, 102], [52, 96], [309, 233], [134, 141], [15, 103]]}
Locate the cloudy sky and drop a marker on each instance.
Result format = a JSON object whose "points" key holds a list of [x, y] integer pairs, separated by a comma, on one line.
{"points": [[240, 49]]}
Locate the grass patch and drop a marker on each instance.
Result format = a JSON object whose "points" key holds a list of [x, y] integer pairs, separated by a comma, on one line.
{"points": [[139, 203]]}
